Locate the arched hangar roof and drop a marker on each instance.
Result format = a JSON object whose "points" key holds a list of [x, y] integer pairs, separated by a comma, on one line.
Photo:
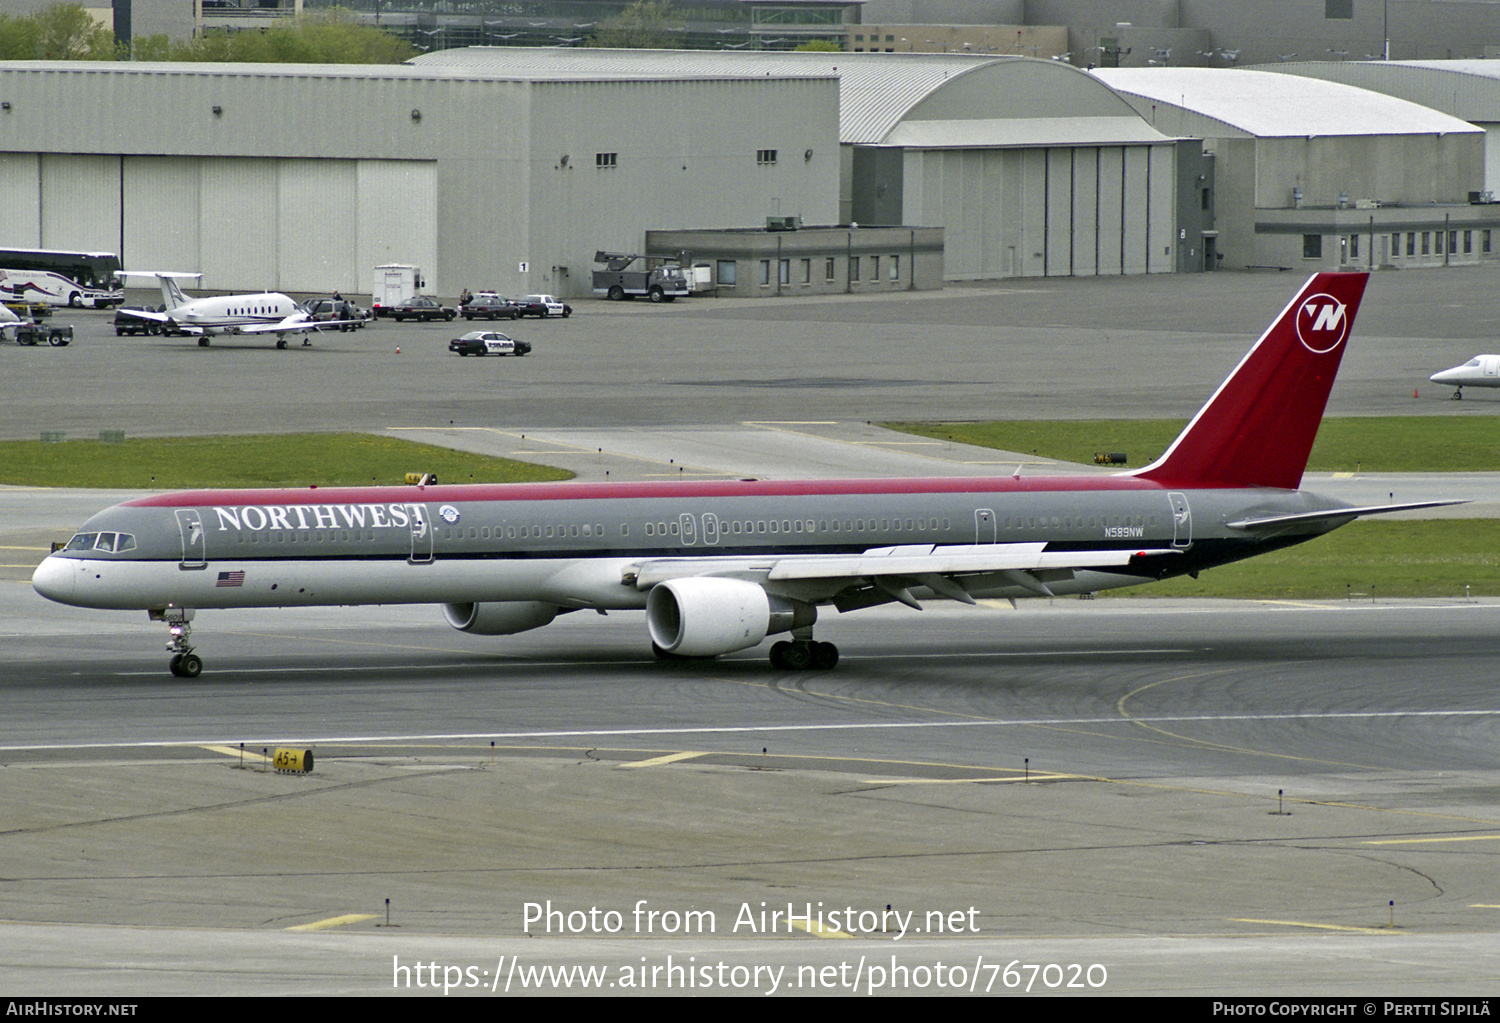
{"points": [[1237, 102], [1469, 89], [960, 100]]}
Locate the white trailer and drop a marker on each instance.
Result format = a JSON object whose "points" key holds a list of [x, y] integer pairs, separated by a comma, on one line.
{"points": [[393, 284]]}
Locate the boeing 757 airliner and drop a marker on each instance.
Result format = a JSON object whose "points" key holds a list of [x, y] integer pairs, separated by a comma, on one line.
{"points": [[717, 567]]}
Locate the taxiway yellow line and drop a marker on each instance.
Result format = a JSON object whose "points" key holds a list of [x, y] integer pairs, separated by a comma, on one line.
{"points": [[1426, 841], [333, 921], [817, 930], [1318, 927], [670, 758], [235, 751]]}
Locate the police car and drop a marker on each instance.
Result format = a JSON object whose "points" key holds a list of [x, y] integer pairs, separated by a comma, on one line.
{"points": [[488, 342], [543, 306]]}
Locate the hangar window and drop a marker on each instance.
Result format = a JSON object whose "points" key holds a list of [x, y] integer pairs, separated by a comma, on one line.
{"points": [[828, 269], [895, 268], [727, 272], [1312, 246], [606, 161], [765, 157]]}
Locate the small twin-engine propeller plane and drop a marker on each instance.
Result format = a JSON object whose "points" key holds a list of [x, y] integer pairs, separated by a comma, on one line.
{"points": [[718, 566], [265, 313], [1480, 371]]}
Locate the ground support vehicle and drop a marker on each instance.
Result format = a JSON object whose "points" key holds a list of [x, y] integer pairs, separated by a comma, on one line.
{"points": [[35, 333], [664, 282]]}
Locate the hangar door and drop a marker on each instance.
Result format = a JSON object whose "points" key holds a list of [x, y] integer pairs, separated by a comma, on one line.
{"points": [[1046, 211], [245, 223]]}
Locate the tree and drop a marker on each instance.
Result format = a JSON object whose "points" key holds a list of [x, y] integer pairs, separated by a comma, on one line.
{"points": [[644, 25], [18, 38], [68, 32], [324, 37], [819, 46]]}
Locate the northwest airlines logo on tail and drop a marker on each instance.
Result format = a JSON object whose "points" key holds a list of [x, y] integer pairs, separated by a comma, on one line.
{"points": [[1321, 324]]}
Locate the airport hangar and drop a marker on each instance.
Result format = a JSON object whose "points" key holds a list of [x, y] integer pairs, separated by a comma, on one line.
{"points": [[509, 168], [1310, 174], [1466, 89]]}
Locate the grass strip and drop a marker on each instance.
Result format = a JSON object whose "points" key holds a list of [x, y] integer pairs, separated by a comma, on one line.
{"points": [[279, 460], [1364, 560], [1348, 444]]}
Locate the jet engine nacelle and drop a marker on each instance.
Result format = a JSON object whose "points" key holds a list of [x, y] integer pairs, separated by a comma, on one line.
{"points": [[704, 616], [499, 618]]}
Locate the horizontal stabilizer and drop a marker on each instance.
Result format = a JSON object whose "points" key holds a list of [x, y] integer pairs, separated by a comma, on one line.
{"points": [[1336, 513]]}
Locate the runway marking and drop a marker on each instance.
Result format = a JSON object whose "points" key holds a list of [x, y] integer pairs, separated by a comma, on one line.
{"points": [[333, 921], [670, 758], [1019, 776], [1319, 927], [1424, 841], [593, 733], [790, 422], [1149, 725]]}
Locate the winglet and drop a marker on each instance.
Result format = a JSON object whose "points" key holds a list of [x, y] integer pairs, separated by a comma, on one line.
{"points": [[1260, 424]]}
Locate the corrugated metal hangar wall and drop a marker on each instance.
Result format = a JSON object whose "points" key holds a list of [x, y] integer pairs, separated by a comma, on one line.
{"points": [[304, 178], [243, 222], [1057, 211]]}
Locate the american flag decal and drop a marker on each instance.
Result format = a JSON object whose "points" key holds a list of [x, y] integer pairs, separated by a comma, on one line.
{"points": [[231, 579]]}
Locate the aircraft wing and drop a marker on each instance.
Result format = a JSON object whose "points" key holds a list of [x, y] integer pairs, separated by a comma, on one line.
{"points": [[295, 323], [895, 570]]}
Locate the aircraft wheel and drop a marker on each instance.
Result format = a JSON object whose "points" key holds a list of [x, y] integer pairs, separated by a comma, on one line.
{"points": [[175, 665], [824, 656], [190, 666], [778, 654], [203, 342], [281, 342]]}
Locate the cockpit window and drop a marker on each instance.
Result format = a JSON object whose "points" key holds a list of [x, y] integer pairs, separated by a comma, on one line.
{"points": [[112, 543]]}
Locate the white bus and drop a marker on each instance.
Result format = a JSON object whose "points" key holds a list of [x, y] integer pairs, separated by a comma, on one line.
{"points": [[60, 278]]}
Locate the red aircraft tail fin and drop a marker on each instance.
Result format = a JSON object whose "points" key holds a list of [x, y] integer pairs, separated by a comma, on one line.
{"points": [[1259, 426]]}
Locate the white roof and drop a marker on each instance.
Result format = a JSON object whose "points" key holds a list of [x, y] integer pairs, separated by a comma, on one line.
{"points": [[1268, 105], [876, 90]]}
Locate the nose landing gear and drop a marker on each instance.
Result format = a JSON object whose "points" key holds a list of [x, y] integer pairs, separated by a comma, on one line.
{"points": [[184, 663]]}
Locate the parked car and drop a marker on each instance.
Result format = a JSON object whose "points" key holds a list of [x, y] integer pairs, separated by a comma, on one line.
{"points": [[488, 342], [489, 306], [324, 309], [421, 307], [126, 322], [544, 305]]}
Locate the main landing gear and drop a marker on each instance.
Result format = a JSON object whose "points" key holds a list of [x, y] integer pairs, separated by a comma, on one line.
{"points": [[184, 663], [803, 655]]}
